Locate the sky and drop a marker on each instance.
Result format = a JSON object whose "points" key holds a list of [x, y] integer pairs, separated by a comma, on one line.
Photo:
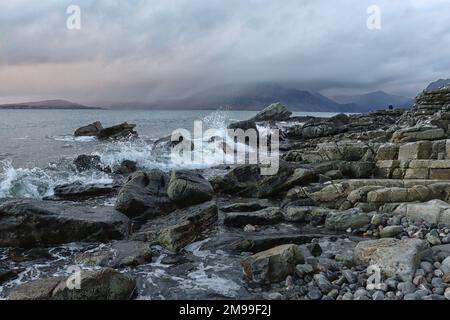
{"points": [[144, 50]]}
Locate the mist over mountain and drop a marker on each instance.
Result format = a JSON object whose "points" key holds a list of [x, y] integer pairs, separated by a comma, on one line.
{"points": [[253, 96], [375, 100]]}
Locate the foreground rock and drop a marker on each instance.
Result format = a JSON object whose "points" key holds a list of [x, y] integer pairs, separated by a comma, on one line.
{"points": [[117, 254], [350, 219], [106, 284], [144, 195], [394, 257], [272, 265], [31, 223], [188, 188], [181, 227], [78, 191]]}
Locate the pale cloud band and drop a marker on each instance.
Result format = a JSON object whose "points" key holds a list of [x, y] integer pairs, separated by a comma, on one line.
{"points": [[143, 50]]}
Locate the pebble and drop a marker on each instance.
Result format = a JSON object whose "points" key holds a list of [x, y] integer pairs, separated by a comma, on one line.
{"points": [[349, 276], [391, 231], [433, 240], [249, 228], [323, 283], [418, 280], [426, 266], [303, 269], [411, 296], [446, 240], [422, 293], [437, 283], [333, 294], [391, 283], [433, 297], [445, 266], [446, 277], [377, 219], [378, 295], [347, 296], [406, 287], [447, 294], [314, 293], [275, 296], [315, 249], [361, 294]]}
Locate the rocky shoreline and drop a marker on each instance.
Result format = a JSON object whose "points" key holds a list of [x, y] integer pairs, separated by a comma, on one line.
{"points": [[359, 210]]}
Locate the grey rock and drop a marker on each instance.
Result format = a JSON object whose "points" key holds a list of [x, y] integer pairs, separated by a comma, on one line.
{"points": [[189, 188]]}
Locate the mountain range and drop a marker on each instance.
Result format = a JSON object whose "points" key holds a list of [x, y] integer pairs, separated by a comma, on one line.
{"points": [[259, 95], [47, 104], [254, 96]]}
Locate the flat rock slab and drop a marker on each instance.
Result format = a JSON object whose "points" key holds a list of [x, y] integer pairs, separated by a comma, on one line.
{"points": [[394, 257], [434, 211], [32, 223], [266, 216]]}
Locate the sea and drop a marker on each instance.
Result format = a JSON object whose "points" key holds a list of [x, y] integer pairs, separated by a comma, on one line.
{"points": [[37, 147]]}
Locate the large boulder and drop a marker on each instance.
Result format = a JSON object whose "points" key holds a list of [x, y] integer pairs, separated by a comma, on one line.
{"points": [[272, 265], [317, 127], [274, 112], [434, 211], [181, 227], [188, 188], [123, 130], [393, 257], [89, 130], [105, 284], [144, 195], [30, 223]]}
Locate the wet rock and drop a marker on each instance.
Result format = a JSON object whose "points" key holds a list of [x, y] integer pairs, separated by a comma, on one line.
{"points": [[123, 130], [315, 249], [180, 227], [189, 188], [244, 125], [272, 265], [7, 273], [126, 167], [78, 190], [323, 283], [117, 254], [394, 257], [341, 221], [28, 223], [88, 162], [89, 130], [266, 216], [144, 195], [247, 181], [245, 207], [105, 284]]}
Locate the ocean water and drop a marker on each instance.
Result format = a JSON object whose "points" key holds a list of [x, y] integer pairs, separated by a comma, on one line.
{"points": [[37, 147]]}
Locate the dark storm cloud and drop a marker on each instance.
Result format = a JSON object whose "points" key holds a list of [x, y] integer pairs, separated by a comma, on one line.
{"points": [[143, 50]]}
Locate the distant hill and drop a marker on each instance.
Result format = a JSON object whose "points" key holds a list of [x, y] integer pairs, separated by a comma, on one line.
{"points": [[438, 84], [47, 104], [375, 100], [249, 97]]}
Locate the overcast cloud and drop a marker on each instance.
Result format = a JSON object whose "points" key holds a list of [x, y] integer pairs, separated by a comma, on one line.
{"points": [[144, 50]]}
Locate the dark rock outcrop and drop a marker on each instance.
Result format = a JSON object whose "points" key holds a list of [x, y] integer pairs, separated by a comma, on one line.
{"points": [[31, 223], [145, 195], [89, 130], [188, 188]]}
